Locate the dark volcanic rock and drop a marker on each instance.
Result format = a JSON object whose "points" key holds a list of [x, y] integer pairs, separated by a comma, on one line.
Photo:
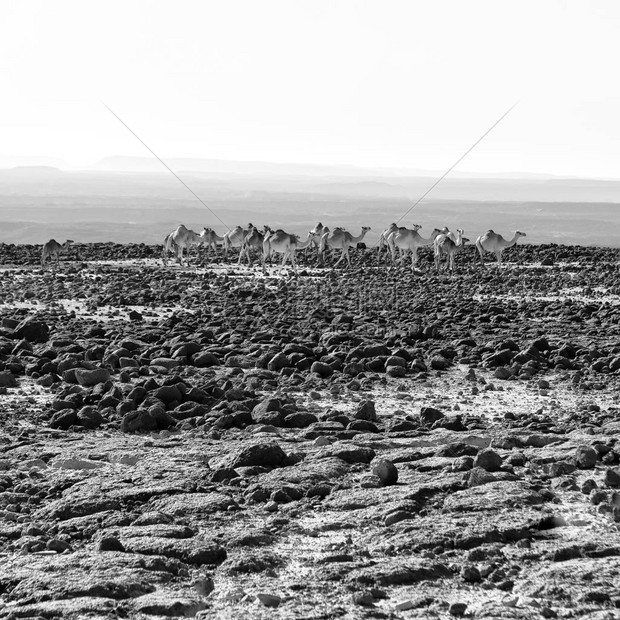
{"points": [[33, 330], [261, 454]]}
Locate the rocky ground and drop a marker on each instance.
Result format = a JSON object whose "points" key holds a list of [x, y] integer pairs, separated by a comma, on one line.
{"points": [[362, 443]]}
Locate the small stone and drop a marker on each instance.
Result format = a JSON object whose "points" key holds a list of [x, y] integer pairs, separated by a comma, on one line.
{"points": [[457, 609], [90, 378], [586, 457], [430, 415], [70, 463], [57, 545], [110, 543], [385, 470], [366, 411], [404, 605], [470, 574], [269, 600], [588, 486], [370, 481], [488, 459], [612, 478], [397, 516], [321, 441]]}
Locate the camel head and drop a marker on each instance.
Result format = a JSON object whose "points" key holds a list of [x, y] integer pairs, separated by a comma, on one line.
{"points": [[520, 234], [417, 227], [68, 242], [365, 229]]}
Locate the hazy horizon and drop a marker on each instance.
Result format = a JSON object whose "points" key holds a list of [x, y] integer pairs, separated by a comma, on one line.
{"points": [[139, 164]]}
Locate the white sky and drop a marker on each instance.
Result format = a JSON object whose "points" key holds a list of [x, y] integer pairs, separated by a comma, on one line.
{"points": [[372, 83]]}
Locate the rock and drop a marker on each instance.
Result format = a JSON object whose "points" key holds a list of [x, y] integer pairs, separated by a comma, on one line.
{"points": [[612, 478], [488, 460], [33, 330], [586, 457], [346, 452], [404, 605], [397, 516], [168, 394], [268, 600], [396, 372], [403, 573], [385, 470], [89, 378], [278, 362], [457, 609], [110, 543], [300, 419], [7, 379], [205, 360], [63, 419], [80, 464], [138, 421], [165, 362], [438, 362], [470, 574], [502, 373], [322, 369], [366, 411], [89, 417], [168, 605], [430, 415], [261, 454]]}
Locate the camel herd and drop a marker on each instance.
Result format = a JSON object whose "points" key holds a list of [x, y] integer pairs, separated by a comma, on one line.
{"points": [[395, 243]]}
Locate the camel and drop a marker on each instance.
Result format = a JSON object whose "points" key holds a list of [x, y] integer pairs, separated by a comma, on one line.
{"points": [[53, 249], [383, 237], [285, 244], [340, 239], [409, 240], [444, 245], [210, 238], [253, 239], [317, 232], [180, 239], [492, 242], [234, 238]]}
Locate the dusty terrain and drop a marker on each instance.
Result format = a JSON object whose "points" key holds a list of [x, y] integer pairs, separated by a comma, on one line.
{"points": [[207, 442]]}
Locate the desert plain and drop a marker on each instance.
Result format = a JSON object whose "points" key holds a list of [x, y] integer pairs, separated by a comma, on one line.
{"points": [[210, 442]]}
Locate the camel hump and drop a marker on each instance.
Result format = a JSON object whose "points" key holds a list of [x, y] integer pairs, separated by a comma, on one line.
{"points": [[490, 231]]}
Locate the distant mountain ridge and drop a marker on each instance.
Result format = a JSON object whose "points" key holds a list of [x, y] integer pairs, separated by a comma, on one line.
{"points": [[119, 163]]}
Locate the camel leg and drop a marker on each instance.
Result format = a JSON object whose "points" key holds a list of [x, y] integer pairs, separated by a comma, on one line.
{"points": [[341, 257], [481, 254]]}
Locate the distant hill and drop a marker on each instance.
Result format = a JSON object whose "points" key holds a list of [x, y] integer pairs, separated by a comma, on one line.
{"points": [[31, 171]]}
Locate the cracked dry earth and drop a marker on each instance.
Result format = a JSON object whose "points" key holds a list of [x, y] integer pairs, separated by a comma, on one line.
{"points": [[211, 443]]}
